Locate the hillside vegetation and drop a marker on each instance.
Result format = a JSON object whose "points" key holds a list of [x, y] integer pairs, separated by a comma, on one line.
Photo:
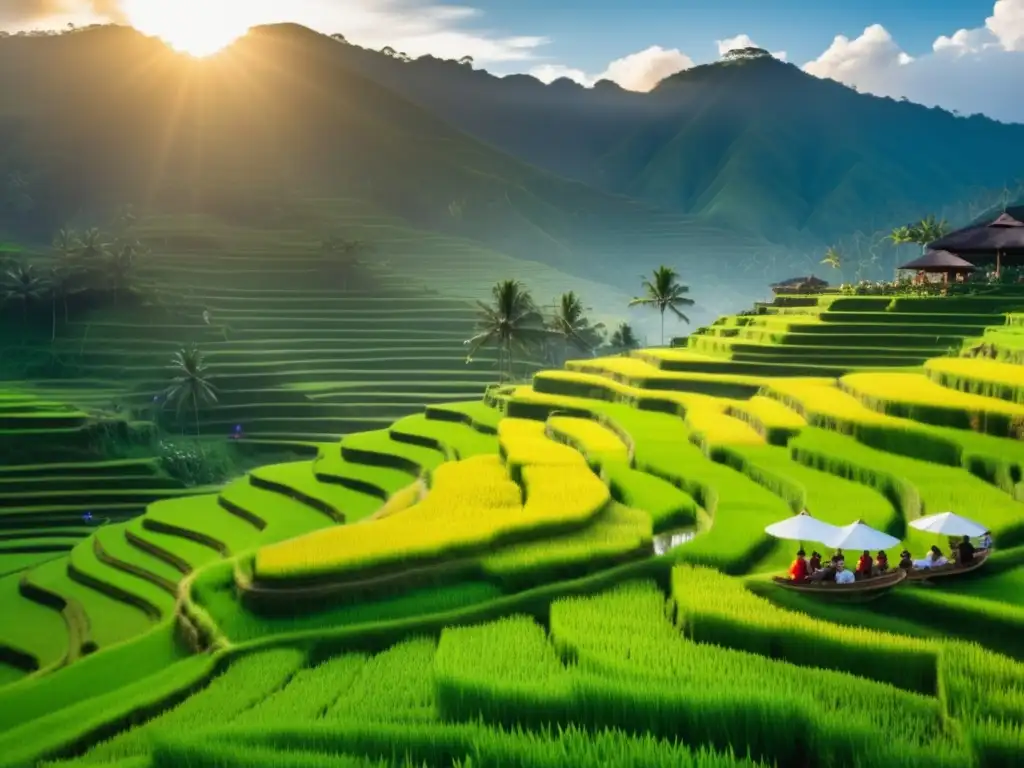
{"points": [[755, 144], [428, 592], [279, 130]]}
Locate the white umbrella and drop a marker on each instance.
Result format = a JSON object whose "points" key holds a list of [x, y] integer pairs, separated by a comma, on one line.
{"points": [[801, 527], [950, 524], [860, 536]]}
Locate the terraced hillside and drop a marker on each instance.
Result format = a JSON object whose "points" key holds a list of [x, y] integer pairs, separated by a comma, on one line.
{"points": [[428, 593], [301, 347], [56, 486], [833, 333]]}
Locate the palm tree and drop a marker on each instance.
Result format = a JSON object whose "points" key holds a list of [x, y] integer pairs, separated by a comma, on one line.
{"points": [[119, 269], [65, 271], [663, 291], [23, 285], [61, 282], [928, 230], [623, 338], [511, 322], [66, 244], [900, 236], [833, 258], [93, 245], [191, 382], [570, 325]]}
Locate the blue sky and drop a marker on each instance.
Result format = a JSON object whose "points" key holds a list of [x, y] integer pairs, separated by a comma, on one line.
{"points": [[590, 34]]}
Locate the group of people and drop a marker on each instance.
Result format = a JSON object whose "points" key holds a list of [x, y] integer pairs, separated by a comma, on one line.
{"points": [[805, 569]]}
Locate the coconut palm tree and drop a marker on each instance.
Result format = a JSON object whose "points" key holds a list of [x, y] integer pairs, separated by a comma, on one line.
{"points": [[93, 248], [900, 236], [191, 382], [93, 245], [61, 282], [570, 326], [833, 258], [928, 230], [23, 285], [66, 244], [664, 292], [119, 268], [65, 273], [624, 339], [512, 321]]}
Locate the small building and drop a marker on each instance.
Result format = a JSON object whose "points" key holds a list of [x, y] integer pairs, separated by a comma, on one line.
{"points": [[999, 242], [940, 263], [807, 284]]}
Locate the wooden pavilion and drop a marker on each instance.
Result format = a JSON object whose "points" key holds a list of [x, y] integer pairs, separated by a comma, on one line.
{"points": [[1000, 241], [940, 262]]}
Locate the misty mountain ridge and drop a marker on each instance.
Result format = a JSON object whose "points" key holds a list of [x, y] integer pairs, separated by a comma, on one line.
{"points": [[281, 131], [755, 144], [737, 173]]}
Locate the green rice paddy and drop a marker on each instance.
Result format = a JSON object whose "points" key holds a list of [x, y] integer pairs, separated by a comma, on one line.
{"points": [[151, 641]]}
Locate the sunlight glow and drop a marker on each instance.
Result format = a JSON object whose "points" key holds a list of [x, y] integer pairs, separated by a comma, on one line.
{"points": [[196, 27]]}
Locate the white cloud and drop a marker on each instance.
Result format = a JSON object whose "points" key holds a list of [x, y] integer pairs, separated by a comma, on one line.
{"points": [[979, 70], [548, 73], [639, 71], [416, 27], [1007, 24], [743, 41]]}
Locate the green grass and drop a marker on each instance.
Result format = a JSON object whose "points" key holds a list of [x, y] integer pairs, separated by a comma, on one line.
{"points": [[214, 591], [246, 682], [1005, 587], [921, 487], [460, 439], [202, 515], [723, 665], [30, 627]]}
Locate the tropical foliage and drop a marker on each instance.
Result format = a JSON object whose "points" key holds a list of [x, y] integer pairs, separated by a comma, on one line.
{"points": [[664, 292], [191, 383], [833, 258], [512, 324], [571, 329], [624, 338]]}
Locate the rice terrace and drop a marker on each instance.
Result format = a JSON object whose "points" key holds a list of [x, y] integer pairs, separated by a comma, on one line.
{"points": [[360, 408]]}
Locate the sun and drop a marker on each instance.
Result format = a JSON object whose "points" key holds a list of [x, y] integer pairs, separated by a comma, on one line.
{"points": [[196, 27]]}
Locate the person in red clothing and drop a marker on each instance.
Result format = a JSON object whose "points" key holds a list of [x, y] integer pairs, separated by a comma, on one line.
{"points": [[882, 562], [864, 565], [798, 570]]}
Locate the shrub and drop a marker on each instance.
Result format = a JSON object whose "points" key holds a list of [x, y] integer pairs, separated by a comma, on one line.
{"points": [[196, 462]]}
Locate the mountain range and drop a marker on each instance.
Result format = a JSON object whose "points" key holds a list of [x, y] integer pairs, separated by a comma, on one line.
{"points": [[753, 142], [720, 170]]}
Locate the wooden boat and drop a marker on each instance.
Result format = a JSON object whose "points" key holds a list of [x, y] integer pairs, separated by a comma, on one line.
{"points": [[865, 589], [945, 571]]}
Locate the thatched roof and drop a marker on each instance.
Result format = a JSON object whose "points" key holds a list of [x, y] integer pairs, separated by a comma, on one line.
{"points": [[939, 261], [793, 282], [1004, 233]]}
